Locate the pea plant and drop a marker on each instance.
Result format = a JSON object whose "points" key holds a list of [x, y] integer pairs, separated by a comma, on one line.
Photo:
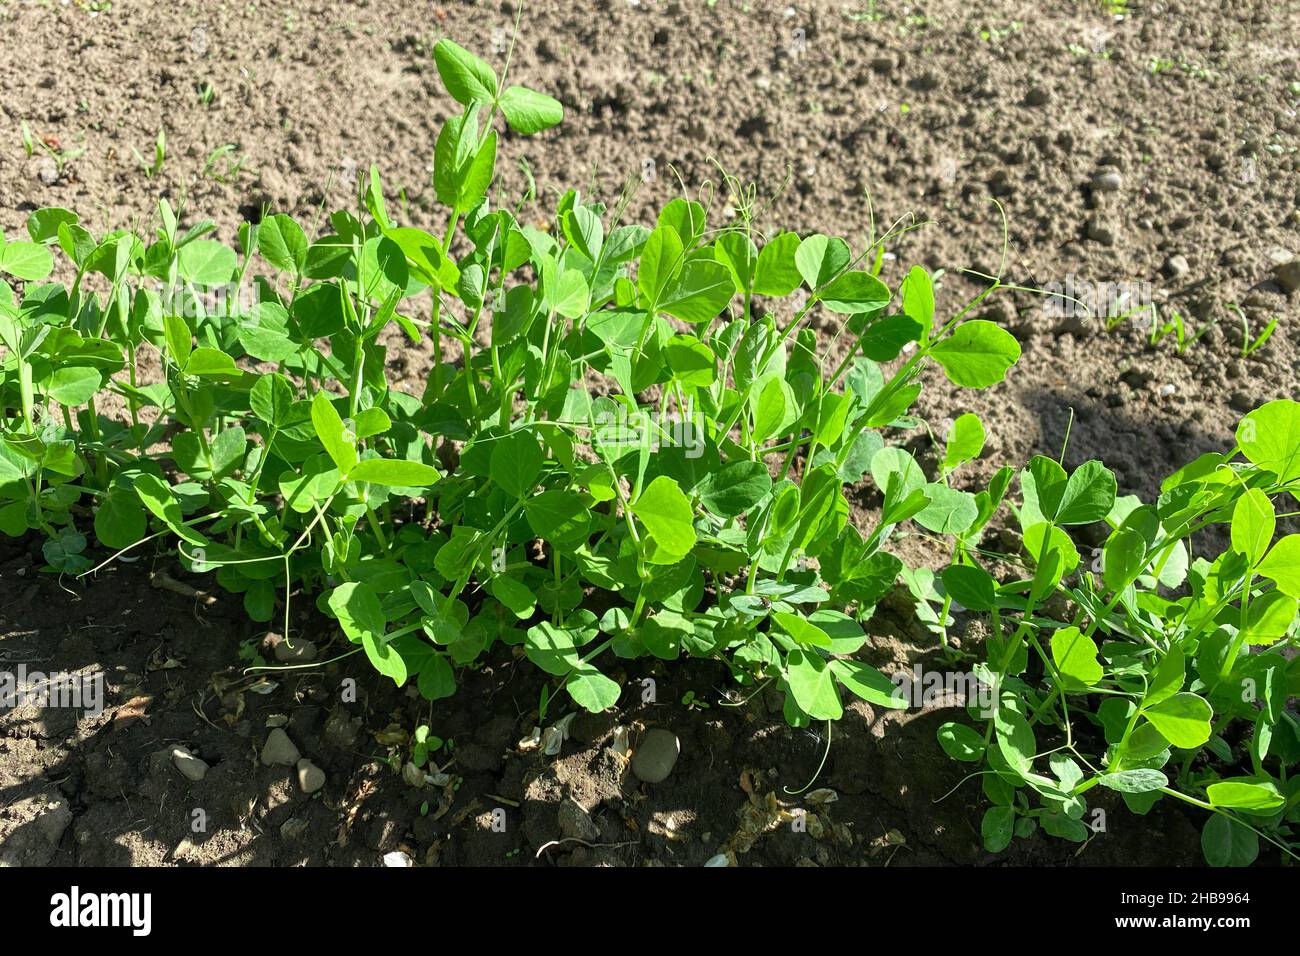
{"points": [[1161, 668], [619, 451]]}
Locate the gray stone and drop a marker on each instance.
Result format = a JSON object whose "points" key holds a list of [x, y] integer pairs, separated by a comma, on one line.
{"points": [[1176, 266], [341, 730], [1107, 180], [576, 823], [654, 760], [1099, 230], [1287, 274], [190, 766], [310, 777], [279, 750]]}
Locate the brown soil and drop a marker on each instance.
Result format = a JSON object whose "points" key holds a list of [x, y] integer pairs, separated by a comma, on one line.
{"points": [[1113, 145]]}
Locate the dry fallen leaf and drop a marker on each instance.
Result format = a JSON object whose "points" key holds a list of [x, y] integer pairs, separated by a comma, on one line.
{"points": [[134, 709]]}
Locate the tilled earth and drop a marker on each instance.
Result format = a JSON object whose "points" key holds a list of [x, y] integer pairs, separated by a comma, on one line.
{"points": [[1154, 155]]}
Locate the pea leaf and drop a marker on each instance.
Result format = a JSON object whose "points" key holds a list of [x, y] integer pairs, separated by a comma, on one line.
{"points": [[338, 441], [1075, 656], [812, 683], [854, 293], [667, 515], [1282, 565], [965, 441], [735, 488], [528, 111], [1253, 522], [394, 471], [1134, 781], [467, 78], [1225, 842], [977, 354], [866, 682], [516, 463], [1268, 617], [29, 261], [591, 690], [1183, 720], [1270, 438], [961, 742]]}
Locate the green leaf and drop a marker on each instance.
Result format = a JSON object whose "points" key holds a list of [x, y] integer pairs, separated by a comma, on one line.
{"points": [[917, 293], [591, 690], [24, 260], [1282, 565], [206, 262], [1088, 496], [701, 289], [737, 252], [74, 385], [516, 463], [855, 293], [1253, 522], [467, 78], [965, 441], [271, 399], [1134, 781], [970, 586], [801, 630], [866, 682], [528, 111], [553, 649], [820, 258], [211, 363], [774, 410], [1168, 677], [359, 610], [997, 827], [179, 338], [1225, 842], [660, 260], [558, 516], [1075, 656], [812, 683], [339, 443], [950, 510], [1183, 720], [1268, 617], [1270, 438], [961, 742], [120, 520], [158, 498], [282, 243], [396, 472], [1123, 558], [776, 273], [735, 488], [668, 517], [1015, 739], [977, 354], [1245, 794]]}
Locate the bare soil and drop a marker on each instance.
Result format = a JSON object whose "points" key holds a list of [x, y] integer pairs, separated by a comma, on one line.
{"points": [[1157, 151]]}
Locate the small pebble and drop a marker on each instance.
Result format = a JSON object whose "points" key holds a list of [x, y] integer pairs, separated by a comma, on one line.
{"points": [[279, 750]]}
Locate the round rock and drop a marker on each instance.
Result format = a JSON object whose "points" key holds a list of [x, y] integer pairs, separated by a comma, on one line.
{"points": [[654, 760], [190, 766], [310, 777]]}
